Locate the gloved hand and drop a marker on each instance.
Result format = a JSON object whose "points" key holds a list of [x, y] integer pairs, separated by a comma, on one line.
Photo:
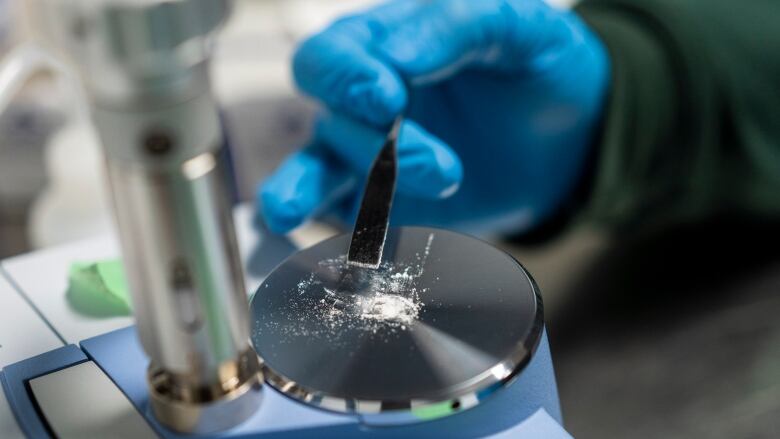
{"points": [[501, 100]]}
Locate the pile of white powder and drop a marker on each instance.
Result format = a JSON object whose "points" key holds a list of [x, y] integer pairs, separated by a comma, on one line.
{"points": [[388, 300]]}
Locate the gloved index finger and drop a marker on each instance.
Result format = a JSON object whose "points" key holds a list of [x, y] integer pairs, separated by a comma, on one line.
{"points": [[339, 66], [427, 166]]}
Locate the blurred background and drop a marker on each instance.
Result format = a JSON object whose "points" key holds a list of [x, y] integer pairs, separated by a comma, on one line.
{"points": [[675, 335]]}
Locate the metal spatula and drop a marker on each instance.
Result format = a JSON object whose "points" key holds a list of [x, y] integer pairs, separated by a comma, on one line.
{"points": [[368, 237]]}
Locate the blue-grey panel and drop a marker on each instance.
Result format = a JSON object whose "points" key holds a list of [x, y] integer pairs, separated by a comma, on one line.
{"points": [[120, 355]]}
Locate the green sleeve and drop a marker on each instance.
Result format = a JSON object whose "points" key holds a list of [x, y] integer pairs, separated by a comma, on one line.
{"points": [[692, 127]]}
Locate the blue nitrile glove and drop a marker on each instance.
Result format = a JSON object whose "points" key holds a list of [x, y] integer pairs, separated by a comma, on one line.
{"points": [[502, 103]]}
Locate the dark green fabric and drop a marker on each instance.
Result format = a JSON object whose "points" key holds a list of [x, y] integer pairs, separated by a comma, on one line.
{"points": [[692, 127]]}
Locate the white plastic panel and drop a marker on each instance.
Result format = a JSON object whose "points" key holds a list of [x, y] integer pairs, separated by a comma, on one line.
{"points": [[43, 277], [23, 333]]}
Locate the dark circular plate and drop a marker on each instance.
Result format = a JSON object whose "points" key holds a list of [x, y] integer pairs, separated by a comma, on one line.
{"points": [[444, 322]]}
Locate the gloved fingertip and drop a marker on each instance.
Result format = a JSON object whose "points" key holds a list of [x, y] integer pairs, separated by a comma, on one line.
{"points": [[280, 214], [449, 190], [378, 101], [428, 167], [451, 171], [449, 180]]}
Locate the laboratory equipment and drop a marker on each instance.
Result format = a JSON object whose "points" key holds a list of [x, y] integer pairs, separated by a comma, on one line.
{"points": [[525, 407], [187, 367]]}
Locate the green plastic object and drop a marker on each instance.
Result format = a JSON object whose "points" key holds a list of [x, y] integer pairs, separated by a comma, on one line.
{"points": [[434, 411], [98, 289]]}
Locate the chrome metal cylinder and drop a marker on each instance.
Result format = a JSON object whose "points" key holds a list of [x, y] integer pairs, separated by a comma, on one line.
{"points": [[172, 205], [179, 248], [144, 67], [188, 294]]}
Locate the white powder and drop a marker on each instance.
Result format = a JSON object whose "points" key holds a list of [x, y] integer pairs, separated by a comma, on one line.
{"points": [[388, 308], [388, 300]]}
